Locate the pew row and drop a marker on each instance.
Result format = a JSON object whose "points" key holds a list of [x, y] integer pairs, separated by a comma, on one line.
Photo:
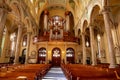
{"points": [[85, 72], [25, 72]]}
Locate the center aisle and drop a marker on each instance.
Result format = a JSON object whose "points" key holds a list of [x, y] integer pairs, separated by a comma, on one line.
{"points": [[55, 73]]}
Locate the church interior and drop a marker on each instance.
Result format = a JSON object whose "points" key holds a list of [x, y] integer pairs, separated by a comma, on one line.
{"points": [[78, 37]]}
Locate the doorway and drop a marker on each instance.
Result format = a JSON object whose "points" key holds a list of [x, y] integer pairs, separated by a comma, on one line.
{"points": [[70, 53], [41, 55], [22, 57], [56, 57]]}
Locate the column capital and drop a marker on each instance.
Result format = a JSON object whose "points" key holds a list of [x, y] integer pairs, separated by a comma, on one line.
{"points": [[83, 33], [91, 26], [67, 13], [5, 7], [105, 9], [46, 12], [20, 24], [29, 32]]}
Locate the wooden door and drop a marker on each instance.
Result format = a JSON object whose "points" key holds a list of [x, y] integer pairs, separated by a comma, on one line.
{"points": [[70, 55], [41, 55], [56, 57]]}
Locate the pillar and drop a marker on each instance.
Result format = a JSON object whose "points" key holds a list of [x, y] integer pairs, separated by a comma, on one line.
{"points": [[16, 60], [92, 45], [51, 27], [67, 21], [28, 46], [106, 17], [4, 9], [61, 32], [46, 58], [45, 20], [84, 48]]}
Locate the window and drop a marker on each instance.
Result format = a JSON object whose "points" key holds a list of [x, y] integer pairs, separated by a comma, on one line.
{"points": [[24, 43]]}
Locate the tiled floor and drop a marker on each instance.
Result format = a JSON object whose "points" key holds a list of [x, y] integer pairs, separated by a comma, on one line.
{"points": [[55, 74]]}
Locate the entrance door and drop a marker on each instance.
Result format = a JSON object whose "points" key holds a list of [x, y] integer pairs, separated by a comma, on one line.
{"points": [[70, 55], [41, 55], [56, 57]]}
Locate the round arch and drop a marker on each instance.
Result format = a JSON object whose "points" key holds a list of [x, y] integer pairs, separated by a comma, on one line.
{"points": [[56, 56], [42, 55], [70, 55], [19, 9]]}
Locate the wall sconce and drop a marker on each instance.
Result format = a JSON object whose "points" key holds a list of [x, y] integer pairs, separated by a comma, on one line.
{"points": [[35, 39], [98, 37], [87, 43]]}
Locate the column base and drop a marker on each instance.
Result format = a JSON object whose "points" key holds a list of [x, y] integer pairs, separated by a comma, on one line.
{"points": [[94, 64], [113, 66], [15, 63]]}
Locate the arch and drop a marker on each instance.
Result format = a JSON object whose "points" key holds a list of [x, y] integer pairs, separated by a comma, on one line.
{"points": [[22, 57], [96, 4], [79, 32], [84, 26], [27, 22], [94, 13], [70, 55], [56, 56], [42, 55], [24, 52], [46, 6], [19, 9]]}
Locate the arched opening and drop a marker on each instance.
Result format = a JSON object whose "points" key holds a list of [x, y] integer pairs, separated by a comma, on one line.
{"points": [[41, 55], [22, 57], [56, 57], [24, 43], [100, 38], [70, 55]]}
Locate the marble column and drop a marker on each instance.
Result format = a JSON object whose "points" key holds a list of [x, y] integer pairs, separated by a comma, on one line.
{"points": [[65, 57], [45, 20], [4, 9], [84, 48], [28, 46], [51, 27], [46, 57], [61, 32], [16, 60], [92, 45], [67, 21], [106, 17]]}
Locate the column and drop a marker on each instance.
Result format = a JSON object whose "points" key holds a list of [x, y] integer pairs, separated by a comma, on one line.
{"points": [[45, 20], [106, 17], [65, 59], [28, 46], [50, 32], [46, 58], [4, 9], [84, 48], [61, 32], [67, 21], [18, 44], [92, 46]]}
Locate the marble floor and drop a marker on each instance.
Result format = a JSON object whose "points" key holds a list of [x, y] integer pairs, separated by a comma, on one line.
{"points": [[55, 73]]}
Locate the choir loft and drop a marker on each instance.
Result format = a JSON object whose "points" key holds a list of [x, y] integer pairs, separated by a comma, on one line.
{"points": [[60, 32]]}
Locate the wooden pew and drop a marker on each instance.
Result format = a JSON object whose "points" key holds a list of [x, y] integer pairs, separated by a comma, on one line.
{"points": [[29, 71], [84, 72]]}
